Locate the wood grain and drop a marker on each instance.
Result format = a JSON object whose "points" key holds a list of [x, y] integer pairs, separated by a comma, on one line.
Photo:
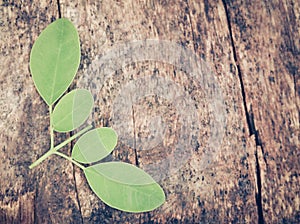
{"points": [[28, 196], [266, 37], [251, 51]]}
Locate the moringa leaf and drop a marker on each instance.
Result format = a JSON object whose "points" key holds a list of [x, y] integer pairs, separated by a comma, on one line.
{"points": [[124, 173], [95, 145], [54, 59], [126, 192], [72, 110]]}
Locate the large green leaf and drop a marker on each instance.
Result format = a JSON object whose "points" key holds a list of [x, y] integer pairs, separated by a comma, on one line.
{"points": [[124, 187], [124, 173], [54, 59], [95, 145], [72, 110]]}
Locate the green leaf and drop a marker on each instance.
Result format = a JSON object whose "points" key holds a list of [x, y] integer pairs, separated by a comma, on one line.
{"points": [[95, 145], [124, 173], [72, 110], [54, 59], [124, 187]]}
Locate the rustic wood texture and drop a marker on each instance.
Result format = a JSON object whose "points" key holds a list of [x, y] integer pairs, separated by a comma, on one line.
{"points": [[28, 196], [266, 38], [252, 50]]}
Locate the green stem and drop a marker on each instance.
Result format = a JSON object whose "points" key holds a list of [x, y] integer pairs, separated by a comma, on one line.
{"points": [[42, 158], [59, 146], [70, 159]]}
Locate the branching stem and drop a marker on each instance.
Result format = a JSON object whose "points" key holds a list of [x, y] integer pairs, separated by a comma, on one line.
{"points": [[53, 150], [70, 159]]}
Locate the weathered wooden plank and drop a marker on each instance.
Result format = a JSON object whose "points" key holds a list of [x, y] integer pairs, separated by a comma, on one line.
{"points": [[222, 191], [45, 194], [235, 161], [266, 38], [252, 50]]}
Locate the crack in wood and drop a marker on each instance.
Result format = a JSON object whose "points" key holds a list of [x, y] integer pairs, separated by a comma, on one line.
{"points": [[77, 195], [134, 138], [258, 195], [255, 132], [250, 123], [75, 182], [72, 144], [59, 8], [35, 217]]}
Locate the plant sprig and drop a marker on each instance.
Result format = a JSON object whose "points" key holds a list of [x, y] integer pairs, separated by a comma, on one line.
{"points": [[54, 61]]}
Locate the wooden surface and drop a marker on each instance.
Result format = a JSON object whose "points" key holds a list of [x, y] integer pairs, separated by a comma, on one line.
{"points": [[252, 50]]}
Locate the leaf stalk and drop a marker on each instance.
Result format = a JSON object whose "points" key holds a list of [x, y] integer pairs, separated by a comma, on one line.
{"points": [[54, 150]]}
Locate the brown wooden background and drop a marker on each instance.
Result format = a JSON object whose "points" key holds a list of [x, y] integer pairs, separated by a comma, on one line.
{"points": [[253, 49]]}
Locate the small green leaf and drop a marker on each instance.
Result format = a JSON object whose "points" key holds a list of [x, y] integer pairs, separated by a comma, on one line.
{"points": [[95, 145], [125, 187], [54, 59], [72, 110]]}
